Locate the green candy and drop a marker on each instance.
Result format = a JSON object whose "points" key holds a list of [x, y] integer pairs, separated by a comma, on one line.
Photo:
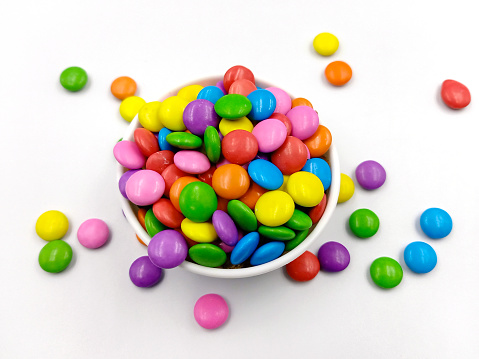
{"points": [[386, 272], [184, 140], [207, 254], [73, 78], [280, 233], [296, 241], [364, 223], [152, 224], [212, 144], [233, 106], [299, 221], [198, 201], [242, 215], [55, 256]]}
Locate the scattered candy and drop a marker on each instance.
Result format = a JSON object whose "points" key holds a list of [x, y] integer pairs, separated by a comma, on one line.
{"points": [[144, 274], [123, 87], [130, 107], [364, 223], [436, 223], [370, 175], [325, 44], [55, 256], [73, 78], [346, 188], [51, 225], [386, 272], [333, 257], [420, 257], [304, 268], [455, 95], [93, 233], [211, 311], [338, 73]]}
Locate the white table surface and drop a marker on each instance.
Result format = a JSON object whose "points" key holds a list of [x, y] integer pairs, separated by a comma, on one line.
{"points": [[56, 153]]}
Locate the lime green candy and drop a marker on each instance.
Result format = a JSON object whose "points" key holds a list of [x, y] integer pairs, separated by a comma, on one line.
{"points": [[152, 224], [207, 255], [242, 215], [296, 241], [212, 144], [55, 256], [184, 140], [73, 78], [198, 201], [280, 233], [233, 106], [364, 223], [386, 272], [299, 221]]}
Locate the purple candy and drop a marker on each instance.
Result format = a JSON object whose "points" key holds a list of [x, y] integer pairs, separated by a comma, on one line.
{"points": [[143, 273], [370, 175], [220, 85], [262, 156], [333, 257], [167, 249], [200, 114], [225, 247], [123, 179], [225, 227]]}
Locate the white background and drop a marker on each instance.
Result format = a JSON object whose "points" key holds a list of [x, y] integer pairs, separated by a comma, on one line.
{"points": [[56, 153]]}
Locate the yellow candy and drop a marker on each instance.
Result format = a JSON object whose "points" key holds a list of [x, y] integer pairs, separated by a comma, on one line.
{"points": [[346, 188], [242, 123], [130, 106], [305, 188], [199, 232], [148, 116], [190, 93], [171, 113], [325, 44], [285, 181], [274, 208], [51, 225]]}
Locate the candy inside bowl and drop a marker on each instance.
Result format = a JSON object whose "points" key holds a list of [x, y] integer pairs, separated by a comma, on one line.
{"points": [[245, 268]]}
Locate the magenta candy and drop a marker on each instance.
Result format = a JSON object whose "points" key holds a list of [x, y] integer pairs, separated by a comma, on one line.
{"points": [[333, 257], [129, 155], [191, 161], [211, 311], [283, 101], [145, 187], [221, 86], [200, 114], [270, 135], [123, 179], [226, 248], [143, 273], [225, 227], [304, 121], [370, 175], [93, 233], [167, 249]]}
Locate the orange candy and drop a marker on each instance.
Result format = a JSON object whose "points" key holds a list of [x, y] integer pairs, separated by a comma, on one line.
{"points": [[338, 73], [300, 102], [223, 204], [123, 87], [177, 187], [254, 192], [318, 144], [230, 181], [139, 240], [141, 217]]}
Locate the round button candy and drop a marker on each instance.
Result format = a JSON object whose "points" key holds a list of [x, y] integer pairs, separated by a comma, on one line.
{"points": [[274, 208], [265, 174], [123, 87], [210, 93], [318, 144], [225, 227], [148, 116], [436, 223], [145, 187], [123, 179], [192, 161], [190, 93], [242, 87], [167, 249], [325, 44], [51, 225], [211, 311], [207, 255], [321, 169], [333, 257], [128, 154], [239, 147], [364, 223], [370, 175], [263, 104], [244, 248], [73, 78], [198, 201], [338, 73], [55, 256], [198, 115], [283, 100], [130, 107], [233, 106], [170, 114], [236, 73], [420, 257], [143, 273], [270, 134], [304, 121], [305, 188], [455, 95], [346, 188], [291, 156], [230, 181], [146, 141], [386, 272], [267, 253], [304, 268], [93, 233]]}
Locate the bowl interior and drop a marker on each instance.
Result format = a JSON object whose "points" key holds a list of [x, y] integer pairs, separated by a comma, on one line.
{"points": [[130, 210]]}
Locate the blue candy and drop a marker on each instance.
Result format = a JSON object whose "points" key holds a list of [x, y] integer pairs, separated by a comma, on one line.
{"points": [[265, 174], [321, 169], [162, 140], [210, 93], [436, 223], [263, 105], [244, 248], [266, 253], [420, 257]]}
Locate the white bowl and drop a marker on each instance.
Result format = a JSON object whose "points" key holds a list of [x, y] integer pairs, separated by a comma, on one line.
{"points": [[332, 196]]}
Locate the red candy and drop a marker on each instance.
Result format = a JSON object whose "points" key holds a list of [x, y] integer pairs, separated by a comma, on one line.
{"points": [[303, 268], [236, 73], [146, 141], [284, 120], [242, 87], [207, 177], [158, 161], [167, 214], [170, 175], [455, 95], [239, 147], [317, 211], [291, 156]]}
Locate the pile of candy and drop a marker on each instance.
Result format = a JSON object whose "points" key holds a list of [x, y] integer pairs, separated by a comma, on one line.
{"points": [[228, 175]]}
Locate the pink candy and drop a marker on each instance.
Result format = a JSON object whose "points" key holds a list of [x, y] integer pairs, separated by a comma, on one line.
{"points": [[270, 134], [283, 101], [193, 162], [145, 187], [93, 233], [129, 155], [211, 311], [304, 121]]}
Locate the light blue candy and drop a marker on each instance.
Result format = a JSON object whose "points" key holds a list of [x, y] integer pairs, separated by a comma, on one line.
{"points": [[244, 248], [263, 105], [436, 223], [265, 174], [210, 93], [321, 169], [420, 257], [164, 145], [266, 253]]}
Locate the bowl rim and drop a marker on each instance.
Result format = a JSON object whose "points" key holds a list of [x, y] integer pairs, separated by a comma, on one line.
{"points": [[279, 262]]}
